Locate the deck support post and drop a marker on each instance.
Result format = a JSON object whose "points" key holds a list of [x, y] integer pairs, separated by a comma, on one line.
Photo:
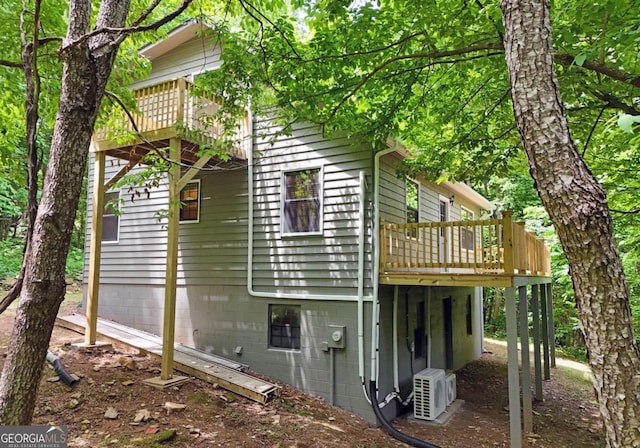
{"points": [[515, 423], [535, 310], [95, 248], [551, 327], [168, 331], [545, 332], [527, 415]]}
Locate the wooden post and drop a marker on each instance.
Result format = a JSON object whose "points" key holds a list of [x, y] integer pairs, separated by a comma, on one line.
{"points": [[507, 241], [515, 422], [95, 248], [535, 310], [545, 332], [527, 415], [172, 262], [551, 324]]}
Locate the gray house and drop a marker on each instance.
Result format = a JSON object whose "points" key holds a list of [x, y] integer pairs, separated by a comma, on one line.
{"points": [[303, 256]]}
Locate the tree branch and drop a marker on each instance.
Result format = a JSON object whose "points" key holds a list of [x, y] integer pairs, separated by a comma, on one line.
{"points": [[433, 55], [613, 102], [136, 28], [593, 130], [626, 212], [11, 64], [598, 67]]}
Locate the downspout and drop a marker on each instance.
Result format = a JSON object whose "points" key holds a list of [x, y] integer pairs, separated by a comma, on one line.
{"points": [[360, 297], [373, 382], [361, 242], [65, 377], [396, 373], [375, 309]]}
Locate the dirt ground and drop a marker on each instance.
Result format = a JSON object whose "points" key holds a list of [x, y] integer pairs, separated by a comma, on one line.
{"points": [[110, 406]]}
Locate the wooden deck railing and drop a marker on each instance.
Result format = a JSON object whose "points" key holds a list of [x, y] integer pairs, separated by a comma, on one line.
{"points": [[498, 246], [171, 106]]}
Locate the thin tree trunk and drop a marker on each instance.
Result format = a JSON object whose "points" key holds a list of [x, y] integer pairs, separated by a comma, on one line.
{"points": [[84, 78], [577, 206]]}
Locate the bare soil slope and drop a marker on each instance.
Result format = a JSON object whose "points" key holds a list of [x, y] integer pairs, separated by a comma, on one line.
{"points": [[110, 406]]}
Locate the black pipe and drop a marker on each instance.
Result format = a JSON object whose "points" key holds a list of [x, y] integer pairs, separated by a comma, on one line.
{"points": [[418, 443], [59, 369]]}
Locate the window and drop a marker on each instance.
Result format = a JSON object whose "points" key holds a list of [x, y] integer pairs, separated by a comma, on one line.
{"points": [[110, 218], [190, 202], [301, 202], [412, 201], [467, 240], [284, 326]]}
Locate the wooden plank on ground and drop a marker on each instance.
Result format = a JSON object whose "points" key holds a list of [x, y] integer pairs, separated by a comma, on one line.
{"points": [[214, 369]]}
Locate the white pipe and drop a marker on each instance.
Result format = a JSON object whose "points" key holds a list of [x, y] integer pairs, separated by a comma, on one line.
{"points": [[281, 295], [396, 374], [376, 260], [429, 339], [361, 241], [360, 297]]}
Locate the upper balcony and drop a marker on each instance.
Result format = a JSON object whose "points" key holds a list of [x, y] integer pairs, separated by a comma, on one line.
{"points": [[164, 111], [490, 252]]}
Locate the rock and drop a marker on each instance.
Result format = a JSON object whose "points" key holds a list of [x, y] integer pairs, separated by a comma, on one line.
{"points": [[127, 383], [127, 363], [77, 395], [53, 379], [111, 414], [73, 403], [169, 406], [142, 416]]}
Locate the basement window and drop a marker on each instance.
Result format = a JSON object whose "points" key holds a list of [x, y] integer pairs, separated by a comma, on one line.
{"points": [[284, 326]]}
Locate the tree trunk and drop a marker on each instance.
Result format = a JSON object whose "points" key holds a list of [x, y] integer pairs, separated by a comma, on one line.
{"points": [[577, 206], [87, 65]]}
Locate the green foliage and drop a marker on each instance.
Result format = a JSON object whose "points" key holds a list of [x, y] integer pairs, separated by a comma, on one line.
{"points": [[11, 260]]}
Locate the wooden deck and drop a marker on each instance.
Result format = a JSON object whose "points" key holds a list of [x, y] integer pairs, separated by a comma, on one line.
{"points": [[490, 252], [214, 369], [169, 110]]}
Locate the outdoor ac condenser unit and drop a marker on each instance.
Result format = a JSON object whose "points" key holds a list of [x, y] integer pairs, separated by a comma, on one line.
{"points": [[450, 381], [429, 390]]}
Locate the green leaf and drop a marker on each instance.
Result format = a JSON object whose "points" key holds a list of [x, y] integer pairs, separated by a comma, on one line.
{"points": [[626, 121], [579, 60]]}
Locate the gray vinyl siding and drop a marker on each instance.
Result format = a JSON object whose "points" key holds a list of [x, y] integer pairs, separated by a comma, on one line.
{"points": [[193, 57], [211, 250], [392, 196], [324, 264]]}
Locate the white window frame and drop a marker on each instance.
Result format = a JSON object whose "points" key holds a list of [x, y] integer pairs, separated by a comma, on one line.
{"points": [[418, 194], [445, 234], [473, 217], [197, 220], [283, 231], [465, 209], [105, 215]]}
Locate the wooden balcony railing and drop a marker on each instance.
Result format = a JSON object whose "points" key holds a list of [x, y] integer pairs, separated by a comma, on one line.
{"points": [[169, 109], [498, 246]]}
